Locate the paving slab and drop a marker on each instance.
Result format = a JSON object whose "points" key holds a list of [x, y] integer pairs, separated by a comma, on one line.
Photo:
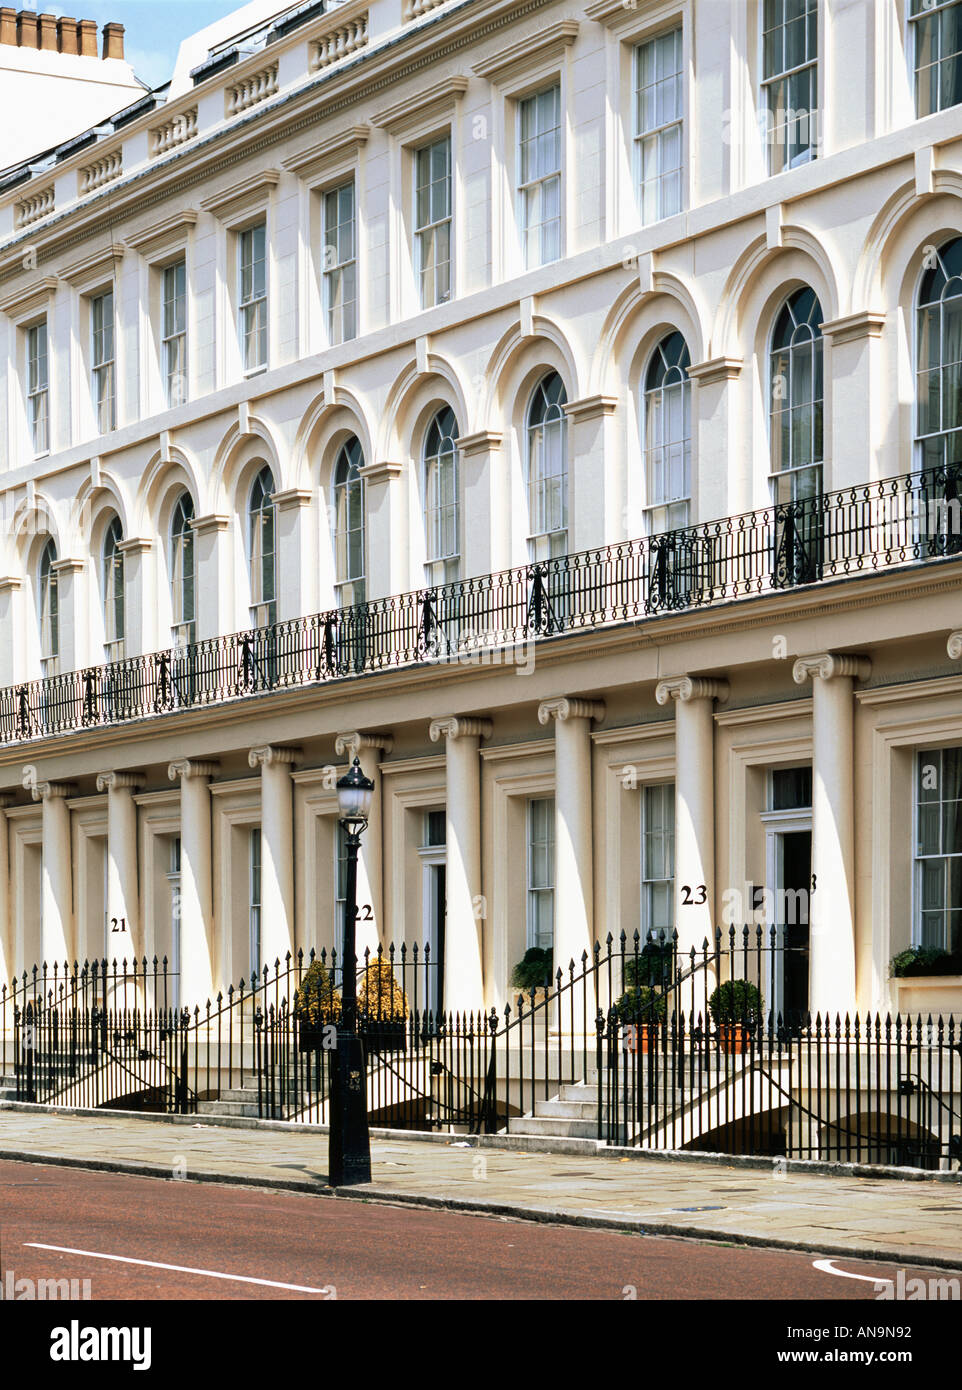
{"points": [[880, 1217]]}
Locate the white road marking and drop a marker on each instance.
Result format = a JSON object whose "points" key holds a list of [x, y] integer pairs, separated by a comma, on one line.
{"points": [[178, 1269], [827, 1267]]}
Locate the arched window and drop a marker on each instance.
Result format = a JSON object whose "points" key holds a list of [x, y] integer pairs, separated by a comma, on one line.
{"points": [[48, 605], [668, 436], [939, 361], [442, 520], [260, 515], [113, 592], [349, 524], [548, 469], [182, 591], [939, 411], [796, 399]]}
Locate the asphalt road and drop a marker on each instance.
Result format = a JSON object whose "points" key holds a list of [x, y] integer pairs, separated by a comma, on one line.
{"points": [[183, 1240]]}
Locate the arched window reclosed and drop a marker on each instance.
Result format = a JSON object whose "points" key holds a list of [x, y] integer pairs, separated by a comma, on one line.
{"points": [[48, 611], [547, 469], [261, 553], [349, 555], [182, 587], [668, 436], [795, 385], [442, 510], [939, 398]]}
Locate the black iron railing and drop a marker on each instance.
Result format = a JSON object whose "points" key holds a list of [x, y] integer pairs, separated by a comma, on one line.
{"points": [[637, 1044], [898, 521]]}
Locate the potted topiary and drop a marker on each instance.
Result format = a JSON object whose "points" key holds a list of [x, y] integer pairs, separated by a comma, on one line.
{"points": [[382, 1007], [533, 971], [640, 1009], [316, 1005], [736, 1009]]}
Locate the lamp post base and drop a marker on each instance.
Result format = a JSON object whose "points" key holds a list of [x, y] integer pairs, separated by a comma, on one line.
{"points": [[349, 1149]]}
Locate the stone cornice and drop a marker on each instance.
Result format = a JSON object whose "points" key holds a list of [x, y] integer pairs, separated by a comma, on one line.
{"points": [[716, 369], [111, 781], [292, 497], [685, 688], [10, 583], [30, 299], [430, 104], [136, 545], [185, 768], [167, 231], [68, 565], [591, 407], [351, 744], [828, 665], [483, 442], [269, 755], [954, 645], [319, 161], [95, 269], [382, 472], [562, 707], [517, 58], [45, 791], [247, 195], [853, 327], [213, 521], [457, 726]]}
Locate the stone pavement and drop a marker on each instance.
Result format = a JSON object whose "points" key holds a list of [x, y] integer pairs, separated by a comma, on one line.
{"points": [[916, 1222]]}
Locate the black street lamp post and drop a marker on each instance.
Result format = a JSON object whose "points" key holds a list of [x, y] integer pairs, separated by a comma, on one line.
{"points": [[349, 1152]]}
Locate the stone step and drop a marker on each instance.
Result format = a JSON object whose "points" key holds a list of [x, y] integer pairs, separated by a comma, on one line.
{"points": [[557, 1128], [566, 1109]]}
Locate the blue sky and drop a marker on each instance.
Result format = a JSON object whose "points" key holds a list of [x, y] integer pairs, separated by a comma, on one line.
{"points": [[154, 28]]}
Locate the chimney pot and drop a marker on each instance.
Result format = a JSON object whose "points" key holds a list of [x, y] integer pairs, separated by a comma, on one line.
{"points": [[88, 38], [8, 24], [113, 41], [28, 35], [48, 32], [67, 35]]}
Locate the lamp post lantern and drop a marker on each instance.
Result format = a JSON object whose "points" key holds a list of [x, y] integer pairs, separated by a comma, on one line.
{"points": [[349, 1151]]}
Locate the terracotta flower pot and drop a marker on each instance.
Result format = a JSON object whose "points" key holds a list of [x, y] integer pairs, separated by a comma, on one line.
{"points": [[733, 1038]]}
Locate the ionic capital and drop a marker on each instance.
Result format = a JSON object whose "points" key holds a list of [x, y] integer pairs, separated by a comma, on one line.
{"points": [[44, 791], [186, 768], [828, 665], [685, 688], [456, 726], [269, 754], [352, 743], [954, 645], [564, 708], [115, 781]]}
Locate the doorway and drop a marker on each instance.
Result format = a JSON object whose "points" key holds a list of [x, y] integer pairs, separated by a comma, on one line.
{"points": [[434, 900]]}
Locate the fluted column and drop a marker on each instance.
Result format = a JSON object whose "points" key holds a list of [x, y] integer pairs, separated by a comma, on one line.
{"points": [[56, 894], [463, 971], [832, 901], [123, 899], [196, 901], [368, 749], [573, 895], [694, 804], [277, 850]]}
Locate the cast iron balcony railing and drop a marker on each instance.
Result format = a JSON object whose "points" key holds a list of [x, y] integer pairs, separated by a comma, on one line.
{"points": [[899, 521]]}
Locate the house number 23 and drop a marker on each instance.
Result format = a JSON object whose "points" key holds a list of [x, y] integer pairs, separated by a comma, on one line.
{"points": [[700, 892]]}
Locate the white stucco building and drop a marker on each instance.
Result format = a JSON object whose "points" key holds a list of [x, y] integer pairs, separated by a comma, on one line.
{"points": [[622, 337]]}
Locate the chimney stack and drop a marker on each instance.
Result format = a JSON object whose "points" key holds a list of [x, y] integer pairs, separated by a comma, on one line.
{"points": [[88, 38], [48, 32], [27, 32], [113, 41], [8, 24], [68, 37]]}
